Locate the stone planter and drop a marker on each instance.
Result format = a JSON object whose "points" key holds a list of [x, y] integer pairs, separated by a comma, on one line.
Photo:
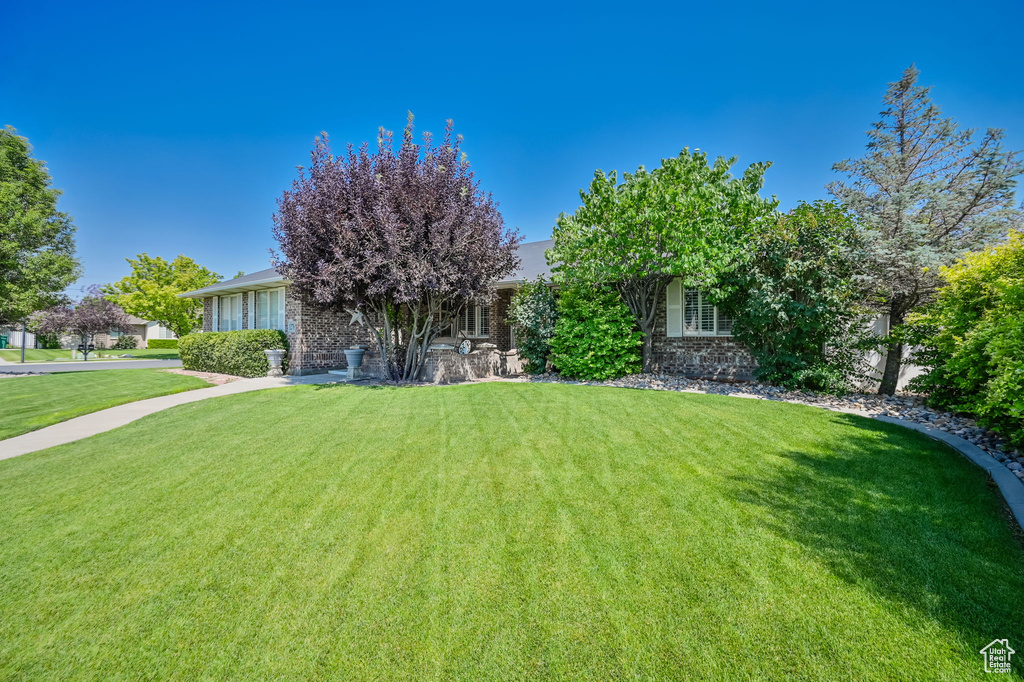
{"points": [[275, 358], [354, 358]]}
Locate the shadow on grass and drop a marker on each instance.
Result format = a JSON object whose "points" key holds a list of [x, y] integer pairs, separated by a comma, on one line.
{"points": [[372, 387], [907, 518]]}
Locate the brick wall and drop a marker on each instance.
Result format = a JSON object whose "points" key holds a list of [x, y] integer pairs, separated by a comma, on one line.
{"points": [[715, 357], [318, 336], [208, 314], [501, 333]]}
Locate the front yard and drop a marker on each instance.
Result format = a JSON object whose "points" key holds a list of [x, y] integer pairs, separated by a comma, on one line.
{"points": [[502, 531], [41, 355], [32, 402]]}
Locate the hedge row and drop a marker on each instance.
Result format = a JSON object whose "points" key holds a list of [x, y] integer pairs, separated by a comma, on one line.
{"points": [[239, 353], [162, 343]]}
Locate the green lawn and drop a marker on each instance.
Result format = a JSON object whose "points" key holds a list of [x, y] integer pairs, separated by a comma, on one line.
{"points": [[30, 403], [502, 531], [40, 355]]}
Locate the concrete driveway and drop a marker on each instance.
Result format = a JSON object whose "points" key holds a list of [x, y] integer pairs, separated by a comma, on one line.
{"points": [[34, 367]]}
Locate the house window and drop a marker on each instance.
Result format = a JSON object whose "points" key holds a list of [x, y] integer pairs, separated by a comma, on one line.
{"points": [[474, 321], [230, 313], [690, 313], [270, 309], [115, 334]]}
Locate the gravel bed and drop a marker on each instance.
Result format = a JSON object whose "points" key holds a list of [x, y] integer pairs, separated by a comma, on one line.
{"points": [[905, 406]]}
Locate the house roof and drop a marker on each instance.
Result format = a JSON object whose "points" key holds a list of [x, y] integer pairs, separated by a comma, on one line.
{"points": [[531, 254], [533, 262], [263, 279]]}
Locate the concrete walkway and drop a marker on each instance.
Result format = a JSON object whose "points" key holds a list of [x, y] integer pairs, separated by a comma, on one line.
{"points": [[111, 418], [71, 366]]}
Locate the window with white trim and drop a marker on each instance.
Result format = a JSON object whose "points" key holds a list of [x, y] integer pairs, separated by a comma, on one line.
{"points": [[690, 313], [270, 309], [474, 321], [230, 313]]}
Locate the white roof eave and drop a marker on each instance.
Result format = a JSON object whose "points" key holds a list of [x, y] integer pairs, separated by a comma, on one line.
{"points": [[228, 288]]}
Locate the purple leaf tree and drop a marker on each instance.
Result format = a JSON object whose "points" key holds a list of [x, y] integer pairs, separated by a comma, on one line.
{"points": [[93, 315], [407, 237]]}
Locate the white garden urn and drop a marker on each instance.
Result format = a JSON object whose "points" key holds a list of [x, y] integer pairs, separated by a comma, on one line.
{"points": [[274, 358]]}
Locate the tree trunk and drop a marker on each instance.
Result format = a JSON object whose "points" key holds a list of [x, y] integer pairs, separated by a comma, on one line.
{"points": [[647, 350], [641, 297], [24, 335], [893, 355]]}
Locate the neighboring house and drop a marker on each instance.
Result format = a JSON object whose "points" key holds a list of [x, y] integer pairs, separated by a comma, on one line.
{"points": [[691, 337], [142, 330]]}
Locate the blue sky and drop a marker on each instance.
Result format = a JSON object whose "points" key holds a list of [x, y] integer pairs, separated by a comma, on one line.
{"points": [[174, 127]]}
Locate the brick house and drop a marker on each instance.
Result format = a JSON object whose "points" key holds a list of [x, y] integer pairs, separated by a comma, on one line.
{"points": [[691, 337]]}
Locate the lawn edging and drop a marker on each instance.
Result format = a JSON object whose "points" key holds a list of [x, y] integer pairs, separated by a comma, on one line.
{"points": [[1011, 487]]}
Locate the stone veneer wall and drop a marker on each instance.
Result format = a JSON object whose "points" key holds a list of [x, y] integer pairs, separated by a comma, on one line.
{"points": [[711, 357], [448, 366]]}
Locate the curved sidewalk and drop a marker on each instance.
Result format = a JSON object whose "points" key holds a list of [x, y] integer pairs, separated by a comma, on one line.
{"points": [[113, 417]]}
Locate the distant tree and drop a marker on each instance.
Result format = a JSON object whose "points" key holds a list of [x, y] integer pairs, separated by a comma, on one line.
{"points": [[797, 304], [927, 194], [37, 247], [151, 291], [406, 236], [93, 315], [684, 219]]}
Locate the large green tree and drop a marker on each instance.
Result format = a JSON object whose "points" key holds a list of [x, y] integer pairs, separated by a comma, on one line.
{"points": [[37, 246], [797, 303], [927, 192], [151, 291], [685, 219]]}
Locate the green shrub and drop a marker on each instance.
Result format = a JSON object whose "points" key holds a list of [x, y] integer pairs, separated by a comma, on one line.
{"points": [[162, 343], [796, 303], [48, 341], [533, 313], [973, 339], [239, 353], [125, 342], [595, 335]]}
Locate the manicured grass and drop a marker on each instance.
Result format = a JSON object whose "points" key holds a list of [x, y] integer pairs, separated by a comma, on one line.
{"points": [[30, 403], [502, 531], [41, 355]]}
